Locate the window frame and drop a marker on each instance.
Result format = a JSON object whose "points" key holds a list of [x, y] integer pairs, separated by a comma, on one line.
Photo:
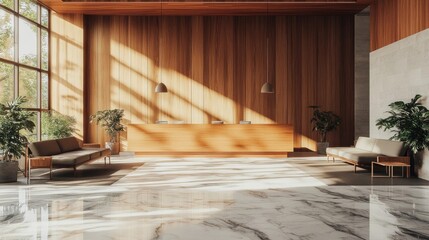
{"points": [[39, 69]]}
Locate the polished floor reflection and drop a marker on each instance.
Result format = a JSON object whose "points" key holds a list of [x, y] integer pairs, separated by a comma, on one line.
{"points": [[214, 198]]}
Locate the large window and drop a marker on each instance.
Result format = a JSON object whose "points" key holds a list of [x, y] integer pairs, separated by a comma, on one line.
{"points": [[24, 56]]}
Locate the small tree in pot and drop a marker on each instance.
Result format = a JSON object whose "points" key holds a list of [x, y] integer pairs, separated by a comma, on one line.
{"points": [[410, 124], [110, 120], [13, 120], [323, 122]]}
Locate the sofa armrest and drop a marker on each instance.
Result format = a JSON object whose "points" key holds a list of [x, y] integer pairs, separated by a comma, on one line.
{"points": [[91, 145], [405, 160]]}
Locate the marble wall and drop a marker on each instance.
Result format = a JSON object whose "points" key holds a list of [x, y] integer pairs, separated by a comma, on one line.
{"points": [[399, 71], [362, 44]]}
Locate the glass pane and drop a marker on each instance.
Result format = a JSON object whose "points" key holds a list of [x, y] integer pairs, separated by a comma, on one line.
{"points": [[6, 35], [7, 3], [6, 82], [45, 90], [29, 87], [32, 136], [46, 126], [56, 125], [45, 49], [44, 17], [28, 43], [28, 8]]}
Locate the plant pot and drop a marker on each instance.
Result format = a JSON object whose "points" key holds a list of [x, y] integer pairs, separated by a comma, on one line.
{"points": [[321, 147], [8, 171], [113, 146], [416, 163]]}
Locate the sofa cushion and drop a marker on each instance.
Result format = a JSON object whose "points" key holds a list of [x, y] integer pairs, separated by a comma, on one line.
{"points": [[44, 148], [361, 157], [94, 153], [68, 144], [97, 152], [336, 150], [70, 159], [365, 143], [388, 148]]}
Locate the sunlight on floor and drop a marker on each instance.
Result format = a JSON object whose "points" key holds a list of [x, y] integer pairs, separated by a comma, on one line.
{"points": [[217, 174]]}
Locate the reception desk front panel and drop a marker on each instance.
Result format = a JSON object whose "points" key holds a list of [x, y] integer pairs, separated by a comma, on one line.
{"points": [[210, 138]]}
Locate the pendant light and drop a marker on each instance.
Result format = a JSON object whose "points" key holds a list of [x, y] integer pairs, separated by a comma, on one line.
{"points": [[267, 87], [160, 88]]}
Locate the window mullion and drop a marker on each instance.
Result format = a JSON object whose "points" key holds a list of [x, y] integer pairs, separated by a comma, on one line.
{"points": [[16, 53]]}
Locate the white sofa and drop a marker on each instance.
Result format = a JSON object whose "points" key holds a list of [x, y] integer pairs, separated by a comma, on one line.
{"points": [[367, 150]]}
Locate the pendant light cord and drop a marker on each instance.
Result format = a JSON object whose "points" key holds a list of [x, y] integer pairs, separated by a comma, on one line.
{"points": [[266, 33], [159, 45], [267, 59]]}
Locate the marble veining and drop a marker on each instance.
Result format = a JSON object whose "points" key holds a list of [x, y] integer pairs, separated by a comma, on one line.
{"points": [[214, 198]]}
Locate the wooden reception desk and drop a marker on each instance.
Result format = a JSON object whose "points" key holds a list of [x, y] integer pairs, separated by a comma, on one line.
{"points": [[210, 138]]}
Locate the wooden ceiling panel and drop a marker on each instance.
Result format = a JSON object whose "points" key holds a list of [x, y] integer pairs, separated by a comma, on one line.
{"points": [[191, 7]]}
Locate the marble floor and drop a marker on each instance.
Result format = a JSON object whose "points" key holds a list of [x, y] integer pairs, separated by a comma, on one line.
{"points": [[214, 198]]}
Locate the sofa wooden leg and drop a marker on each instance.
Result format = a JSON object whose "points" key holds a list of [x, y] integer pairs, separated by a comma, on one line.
{"points": [[355, 168], [74, 171]]}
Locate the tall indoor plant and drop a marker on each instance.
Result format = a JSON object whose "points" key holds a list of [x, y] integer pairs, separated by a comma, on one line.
{"points": [[410, 124], [323, 122], [13, 121], [110, 120]]}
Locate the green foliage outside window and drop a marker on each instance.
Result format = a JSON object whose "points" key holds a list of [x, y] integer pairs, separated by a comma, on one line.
{"points": [[56, 125], [7, 3]]}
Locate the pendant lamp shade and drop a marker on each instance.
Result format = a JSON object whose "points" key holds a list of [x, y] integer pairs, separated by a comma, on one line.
{"points": [[161, 88], [267, 88]]}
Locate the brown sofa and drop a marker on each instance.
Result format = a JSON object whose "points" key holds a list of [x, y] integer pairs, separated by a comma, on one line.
{"points": [[366, 151], [67, 152]]}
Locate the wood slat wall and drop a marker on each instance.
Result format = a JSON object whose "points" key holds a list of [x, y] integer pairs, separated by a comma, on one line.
{"points": [[392, 21], [67, 67], [214, 68]]}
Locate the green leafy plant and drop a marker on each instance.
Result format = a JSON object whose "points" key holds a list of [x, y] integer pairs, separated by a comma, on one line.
{"points": [[324, 122], [409, 122], [56, 125], [13, 122], [110, 120]]}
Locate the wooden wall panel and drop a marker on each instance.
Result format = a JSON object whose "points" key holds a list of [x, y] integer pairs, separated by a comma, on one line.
{"points": [[176, 69], [197, 83], [392, 21], [67, 68], [218, 69], [214, 68]]}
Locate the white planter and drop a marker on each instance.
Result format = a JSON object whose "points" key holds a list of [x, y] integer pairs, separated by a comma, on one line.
{"points": [[114, 147]]}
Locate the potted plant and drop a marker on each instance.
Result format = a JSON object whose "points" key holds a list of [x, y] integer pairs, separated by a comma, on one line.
{"points": [[410, 124], [56, 125], [110, 120], [323, 122], [13, 121]]}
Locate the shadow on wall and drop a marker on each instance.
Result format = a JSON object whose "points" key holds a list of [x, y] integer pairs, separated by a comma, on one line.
{"points": [[214, 68]]}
